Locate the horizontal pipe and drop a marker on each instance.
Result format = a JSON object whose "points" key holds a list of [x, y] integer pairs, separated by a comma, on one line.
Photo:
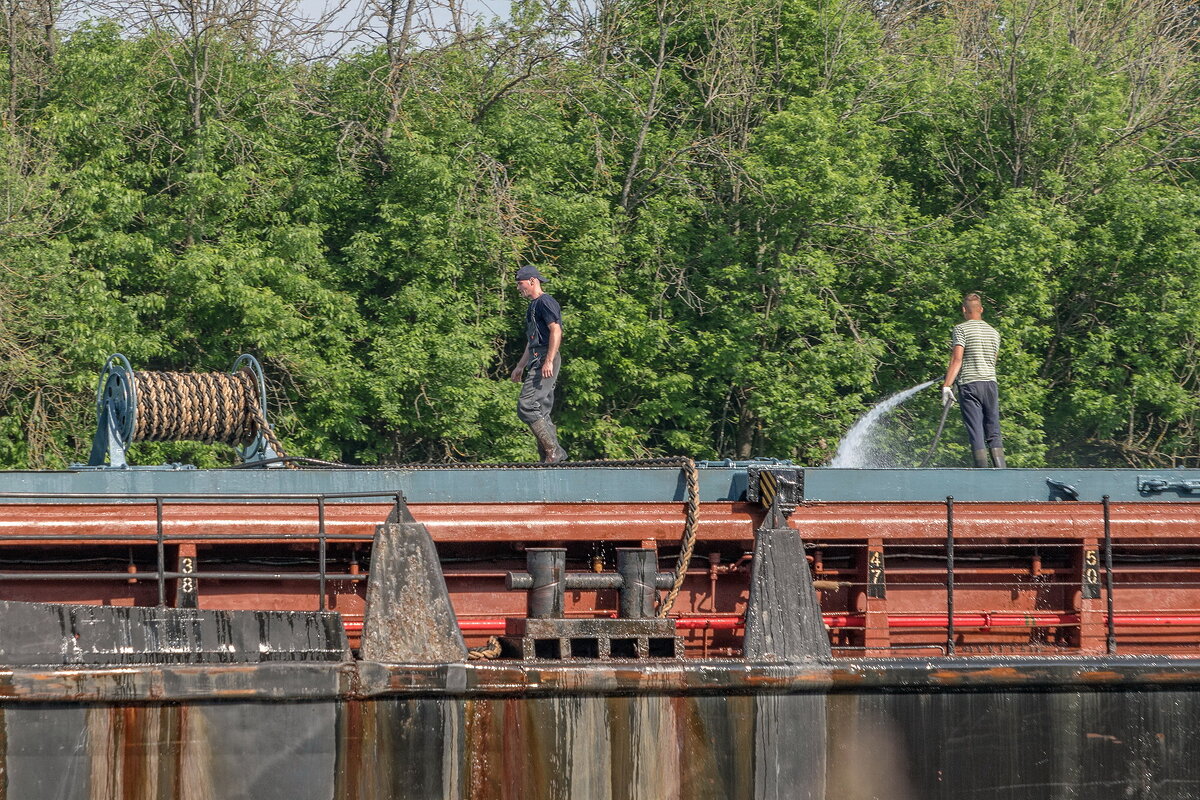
{"points": [[1156, 619], [149, 575], [1039, 619], [482, 625], [730, 622], [967, 620], [710, 623]]}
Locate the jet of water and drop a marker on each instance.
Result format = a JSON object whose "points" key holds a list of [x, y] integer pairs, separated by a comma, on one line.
{"points": [[854, 451]]}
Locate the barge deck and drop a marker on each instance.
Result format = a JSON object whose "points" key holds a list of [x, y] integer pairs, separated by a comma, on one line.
{"points": [[992, 634]]}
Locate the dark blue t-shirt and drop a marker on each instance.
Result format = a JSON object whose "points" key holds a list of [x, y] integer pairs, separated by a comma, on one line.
{"points": [[538, 316]]}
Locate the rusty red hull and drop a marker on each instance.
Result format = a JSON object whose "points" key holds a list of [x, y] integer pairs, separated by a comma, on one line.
{"points": [[1022, 571], [934, 729], [982, 647]]}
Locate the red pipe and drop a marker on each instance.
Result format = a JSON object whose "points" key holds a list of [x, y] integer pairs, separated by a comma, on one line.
{"points": [[1156, 619], [1008, 619], [709, 623], [482, 625], [725, 623], [984, 621]]}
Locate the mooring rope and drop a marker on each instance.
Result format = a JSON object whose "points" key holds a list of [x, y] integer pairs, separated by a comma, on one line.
{"points": [[486, 653], [207, 407], [688, 541]]}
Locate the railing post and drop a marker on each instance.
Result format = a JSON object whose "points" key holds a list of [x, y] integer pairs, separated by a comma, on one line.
{"points": [[321, 550], [950, 576], [1108, 577], [162, 554]]}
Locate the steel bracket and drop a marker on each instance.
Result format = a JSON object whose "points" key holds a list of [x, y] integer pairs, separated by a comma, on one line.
{"points": [[1153, 484], [775, 485]]}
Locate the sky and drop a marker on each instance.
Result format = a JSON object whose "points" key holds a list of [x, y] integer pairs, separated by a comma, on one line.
{"points": [[485, 10]]}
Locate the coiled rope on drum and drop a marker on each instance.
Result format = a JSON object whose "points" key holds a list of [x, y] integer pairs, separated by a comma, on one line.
{"points": [[207, 407]]}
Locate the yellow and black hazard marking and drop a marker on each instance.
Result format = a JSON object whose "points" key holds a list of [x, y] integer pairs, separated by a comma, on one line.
{"points": [[781, 486], [768, 487]]}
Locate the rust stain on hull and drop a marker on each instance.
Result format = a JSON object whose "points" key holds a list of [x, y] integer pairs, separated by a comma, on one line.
{"points": [[586, 743]]}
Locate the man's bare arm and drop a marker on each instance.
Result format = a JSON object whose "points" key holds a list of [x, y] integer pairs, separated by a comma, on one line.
{"points": [[956, 356], [552, 350], [520, 367]]}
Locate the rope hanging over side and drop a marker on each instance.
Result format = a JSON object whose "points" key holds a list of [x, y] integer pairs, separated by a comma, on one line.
{"points": [[207, 407], [688, 542]]}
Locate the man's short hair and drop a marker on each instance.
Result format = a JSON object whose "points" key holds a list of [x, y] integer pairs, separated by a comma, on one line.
{"points": [[972, 302]]}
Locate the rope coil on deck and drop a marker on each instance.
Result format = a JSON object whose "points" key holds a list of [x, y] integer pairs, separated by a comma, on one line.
{"points": [[488, 652], [207, 407]]}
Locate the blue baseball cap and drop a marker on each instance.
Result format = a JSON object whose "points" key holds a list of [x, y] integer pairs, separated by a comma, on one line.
{"points": [[530, 271]]}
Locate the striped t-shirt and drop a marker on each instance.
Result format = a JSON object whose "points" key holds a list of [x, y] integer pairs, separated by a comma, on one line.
{"points": [[980, 343]]}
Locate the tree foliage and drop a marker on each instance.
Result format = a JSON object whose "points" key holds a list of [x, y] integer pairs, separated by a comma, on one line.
{"points": [[759, 218]]}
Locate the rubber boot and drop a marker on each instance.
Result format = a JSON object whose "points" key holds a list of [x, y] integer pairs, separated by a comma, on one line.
{"points": [[547, 439], [541, 440], [981, 458], [541, 449], [560, 453], [998, 457]]}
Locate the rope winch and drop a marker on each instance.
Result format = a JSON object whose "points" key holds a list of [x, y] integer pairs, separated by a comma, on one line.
{"points": [[179, 406]]}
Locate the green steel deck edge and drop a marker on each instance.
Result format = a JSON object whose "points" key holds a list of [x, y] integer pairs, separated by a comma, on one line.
{"points": [[609, 484]]}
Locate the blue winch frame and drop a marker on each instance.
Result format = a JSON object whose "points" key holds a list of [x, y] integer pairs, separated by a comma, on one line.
{"points": [[116, 416]]}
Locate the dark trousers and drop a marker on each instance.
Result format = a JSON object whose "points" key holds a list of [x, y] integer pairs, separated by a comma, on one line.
{"points": [[980, 405], [537, 393]]}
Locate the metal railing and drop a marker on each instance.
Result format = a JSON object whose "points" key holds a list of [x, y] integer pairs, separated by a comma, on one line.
{"points": [[162, 537], [1139, 594], [1127, 573]]}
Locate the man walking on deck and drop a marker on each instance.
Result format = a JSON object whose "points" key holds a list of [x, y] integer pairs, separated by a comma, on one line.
{"points": [[543, 336], [974, 346]]}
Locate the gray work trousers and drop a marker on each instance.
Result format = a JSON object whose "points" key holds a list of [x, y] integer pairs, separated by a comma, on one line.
{"points": [[537, 393]]}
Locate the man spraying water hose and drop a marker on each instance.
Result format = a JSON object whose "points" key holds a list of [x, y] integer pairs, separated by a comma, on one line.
{"points": [[974, 346]]}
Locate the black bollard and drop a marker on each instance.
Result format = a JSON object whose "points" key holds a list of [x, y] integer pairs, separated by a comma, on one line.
{"points": [[638, 568]]}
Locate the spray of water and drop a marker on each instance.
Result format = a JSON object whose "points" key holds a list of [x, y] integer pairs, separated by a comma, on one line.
{"points": [[854, 451]]}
